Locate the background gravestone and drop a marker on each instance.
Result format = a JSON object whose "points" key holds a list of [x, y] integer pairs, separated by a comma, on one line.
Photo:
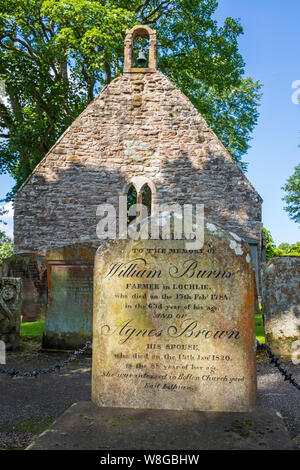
{"points": [[281, 303], [174, 329], [31, 268], [10, 310], [69, 315]]}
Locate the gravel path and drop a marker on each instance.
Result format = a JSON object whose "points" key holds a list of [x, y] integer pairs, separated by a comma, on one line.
{"points": [[274, 392], [29, 405]]}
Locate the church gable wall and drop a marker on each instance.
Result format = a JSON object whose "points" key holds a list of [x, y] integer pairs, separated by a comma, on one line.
{"points": [[139, 126]]}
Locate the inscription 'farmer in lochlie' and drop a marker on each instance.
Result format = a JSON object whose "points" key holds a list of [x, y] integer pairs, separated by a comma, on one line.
{"points": [[137, 268]]}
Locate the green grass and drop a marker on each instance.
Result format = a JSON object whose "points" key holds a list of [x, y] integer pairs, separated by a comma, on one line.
{"points": [[259, 328], [35, 426], [33, 330]]}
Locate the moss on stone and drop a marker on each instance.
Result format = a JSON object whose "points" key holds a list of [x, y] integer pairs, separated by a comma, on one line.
{"points": [[35, 426], [242, 428], [281, 346]]}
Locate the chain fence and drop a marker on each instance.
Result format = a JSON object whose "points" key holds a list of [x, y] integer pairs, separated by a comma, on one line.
{"points": [[88, 345], [58, 365], [275, 360]]}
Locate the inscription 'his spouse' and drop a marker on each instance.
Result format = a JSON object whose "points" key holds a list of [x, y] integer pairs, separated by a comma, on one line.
{"points": [[189, 329], [137, 268]]}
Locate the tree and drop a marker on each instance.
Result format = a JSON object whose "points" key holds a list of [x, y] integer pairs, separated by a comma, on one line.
{"points": [[6, 247], [270, 245], [292, 198], [55, 55], [6, 244], [285, 249], [3, 211]]}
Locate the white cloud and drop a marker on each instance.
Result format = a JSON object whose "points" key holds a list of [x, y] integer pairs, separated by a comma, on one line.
{"points": [[3, 96], [9, 219]]}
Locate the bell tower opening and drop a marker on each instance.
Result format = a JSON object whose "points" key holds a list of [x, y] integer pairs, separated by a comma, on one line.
{"points": [[141, 52], [137, 56]]}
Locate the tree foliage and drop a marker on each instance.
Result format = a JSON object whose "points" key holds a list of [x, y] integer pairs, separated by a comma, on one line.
{"points": [[3, 211], [284, 249], [269, 244], [292, 198], [55, 55], [6, 246]]}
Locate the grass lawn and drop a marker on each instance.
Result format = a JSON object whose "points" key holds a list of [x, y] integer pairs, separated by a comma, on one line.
{"points": [[35, 330], [259, 328]]}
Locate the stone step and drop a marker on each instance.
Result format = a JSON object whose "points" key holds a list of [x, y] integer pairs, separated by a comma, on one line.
{"points": [[84, 426]]}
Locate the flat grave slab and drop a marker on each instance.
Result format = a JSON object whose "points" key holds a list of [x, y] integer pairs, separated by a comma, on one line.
{"points": [[85, 426]]}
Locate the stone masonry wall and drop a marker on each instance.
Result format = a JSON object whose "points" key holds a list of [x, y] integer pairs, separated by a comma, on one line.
{"points": [[140, 125]]}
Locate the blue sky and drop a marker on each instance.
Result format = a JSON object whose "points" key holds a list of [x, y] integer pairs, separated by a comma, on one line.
{"points": [[270, 48]]}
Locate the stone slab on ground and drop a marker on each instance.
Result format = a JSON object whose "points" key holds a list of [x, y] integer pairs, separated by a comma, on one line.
{"points": [[84, 426]]}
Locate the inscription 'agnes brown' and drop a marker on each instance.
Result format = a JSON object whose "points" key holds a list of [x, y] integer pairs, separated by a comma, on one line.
{"points": [[189, 328], [137, 268]]}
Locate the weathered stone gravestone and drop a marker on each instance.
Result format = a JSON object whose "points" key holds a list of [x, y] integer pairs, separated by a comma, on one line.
{"points": [[174, 329], [69, 315], [2, 352], [281, 303], [10, 311], [31, 268]]}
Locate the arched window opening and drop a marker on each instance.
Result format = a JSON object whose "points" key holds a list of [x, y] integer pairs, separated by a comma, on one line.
{"points": [[147, 198], [141, 193], [131, 201]]}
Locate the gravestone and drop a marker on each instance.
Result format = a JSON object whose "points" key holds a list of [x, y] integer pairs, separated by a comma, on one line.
{"points": [[281, 303], [69, 315], [31, 268], [174, 328], [10, 311]]}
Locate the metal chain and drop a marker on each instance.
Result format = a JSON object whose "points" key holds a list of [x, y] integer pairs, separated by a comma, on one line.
{"points": [[88, 345], [275, 361], [34, 373]]}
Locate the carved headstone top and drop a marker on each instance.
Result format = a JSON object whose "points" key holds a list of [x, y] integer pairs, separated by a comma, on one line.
{"points": [[10, 311], [31, 268], [82, 252], [10, 293]]}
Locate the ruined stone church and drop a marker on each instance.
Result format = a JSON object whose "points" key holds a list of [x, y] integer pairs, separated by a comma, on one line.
{"points": [[140, 131]]}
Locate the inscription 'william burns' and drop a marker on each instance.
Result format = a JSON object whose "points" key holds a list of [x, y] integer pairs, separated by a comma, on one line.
{"points": [[137, 268]]}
